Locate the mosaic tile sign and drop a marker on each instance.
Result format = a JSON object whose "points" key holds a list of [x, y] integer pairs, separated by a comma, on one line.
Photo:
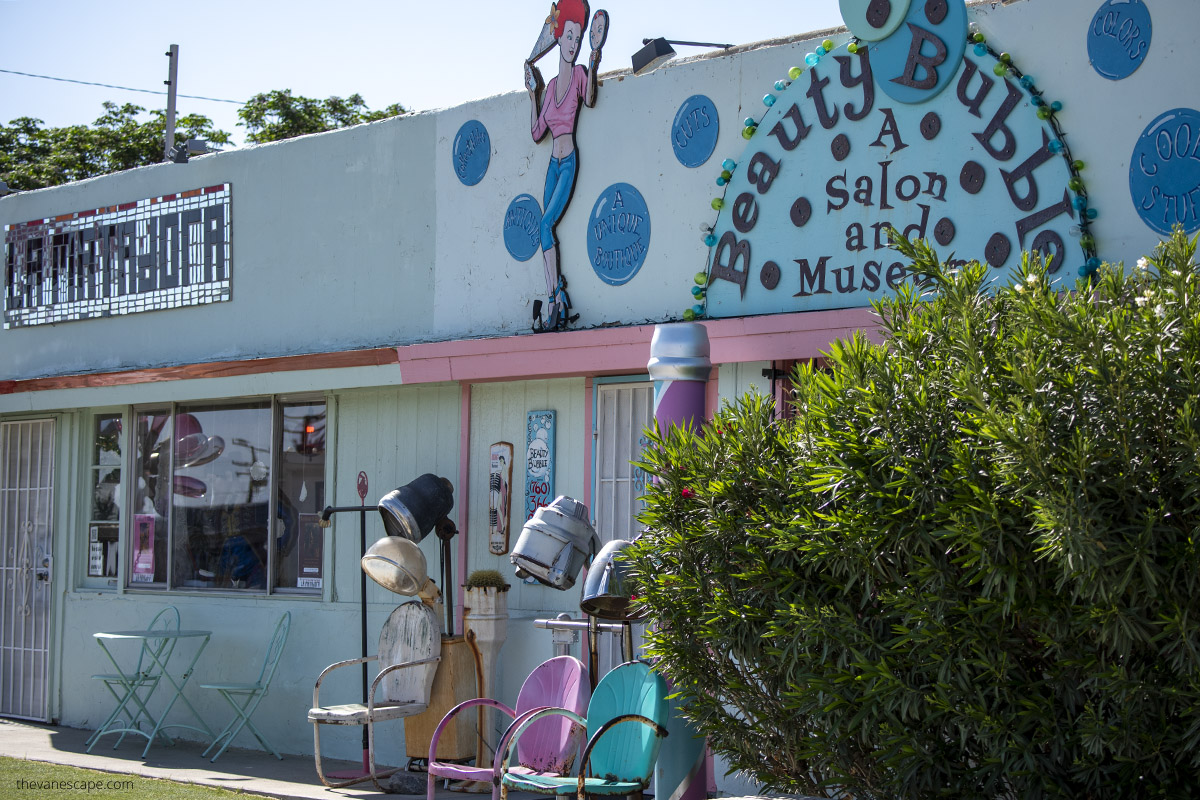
{"points": [[146, 255]]}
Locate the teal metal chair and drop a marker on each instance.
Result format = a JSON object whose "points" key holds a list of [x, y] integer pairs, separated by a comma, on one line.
{"points": [[625, 724], [133, 690], [249, 695]]}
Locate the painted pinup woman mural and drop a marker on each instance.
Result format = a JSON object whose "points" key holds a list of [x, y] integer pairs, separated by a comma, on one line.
{"points": [[555, 109]]}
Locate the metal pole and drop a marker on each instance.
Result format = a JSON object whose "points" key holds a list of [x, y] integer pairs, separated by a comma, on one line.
{"points": [[362, 593], [172, 76]]}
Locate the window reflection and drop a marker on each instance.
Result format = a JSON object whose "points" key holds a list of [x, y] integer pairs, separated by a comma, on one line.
{"points": [[218, 485], [301, 497], [220, 496]]}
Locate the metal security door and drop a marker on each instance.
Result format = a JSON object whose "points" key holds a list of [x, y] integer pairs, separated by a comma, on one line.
{"points": [[623, 412], [26, 523]]}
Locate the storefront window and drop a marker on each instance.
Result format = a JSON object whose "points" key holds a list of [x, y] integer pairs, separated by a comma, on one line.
{"points": [[148, 513], [301, 497], [104, 520], [215, 507]]}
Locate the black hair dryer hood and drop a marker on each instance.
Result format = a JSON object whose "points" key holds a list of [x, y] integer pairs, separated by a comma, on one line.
{"points": [[414, 509]]}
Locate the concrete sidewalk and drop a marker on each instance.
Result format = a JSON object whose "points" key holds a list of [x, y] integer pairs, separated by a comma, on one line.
{"points": [[249, 771]]}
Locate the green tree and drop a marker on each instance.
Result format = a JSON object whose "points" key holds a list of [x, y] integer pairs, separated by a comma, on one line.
{"points": [[970, 566], [33, 156], [279, 114]]}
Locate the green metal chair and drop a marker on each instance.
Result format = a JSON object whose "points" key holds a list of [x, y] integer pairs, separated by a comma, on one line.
{"points": [[249, 695], [625, 723], [132, 692]]}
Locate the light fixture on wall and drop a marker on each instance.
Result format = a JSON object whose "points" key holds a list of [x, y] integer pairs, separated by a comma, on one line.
{"points": [[180, 153], [659, 51]]}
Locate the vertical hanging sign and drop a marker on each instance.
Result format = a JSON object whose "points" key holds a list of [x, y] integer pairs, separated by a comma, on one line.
{"points": [[499, 497], [539, 461]]}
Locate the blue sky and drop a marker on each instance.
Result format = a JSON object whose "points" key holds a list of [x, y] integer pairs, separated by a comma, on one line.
{"points": [[423, 55]]}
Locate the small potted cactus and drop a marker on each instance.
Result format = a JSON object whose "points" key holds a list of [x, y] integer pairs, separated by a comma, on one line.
{"points": [[486, 578]]}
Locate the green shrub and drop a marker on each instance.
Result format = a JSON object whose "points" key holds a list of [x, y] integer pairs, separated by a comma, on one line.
{"points": [[969, 567]]}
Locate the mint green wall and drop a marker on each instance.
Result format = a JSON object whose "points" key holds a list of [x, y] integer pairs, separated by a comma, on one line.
{"points": [[498, 413], [394, 434]]}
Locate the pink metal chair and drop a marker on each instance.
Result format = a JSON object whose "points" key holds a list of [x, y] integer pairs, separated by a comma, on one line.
{"points": [[549, 747]]}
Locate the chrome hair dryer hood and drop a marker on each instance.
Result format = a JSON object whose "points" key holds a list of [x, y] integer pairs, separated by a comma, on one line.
{"points": [[608, 588], [555, 543], [398, 565]]}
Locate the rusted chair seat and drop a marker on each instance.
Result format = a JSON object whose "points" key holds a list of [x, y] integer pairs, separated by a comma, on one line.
{"points": [[410, 647]]}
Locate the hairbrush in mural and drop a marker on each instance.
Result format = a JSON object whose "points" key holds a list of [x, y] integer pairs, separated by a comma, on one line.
{"points": [[555, 110]]}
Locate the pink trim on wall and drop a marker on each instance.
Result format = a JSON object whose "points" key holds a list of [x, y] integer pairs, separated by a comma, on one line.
{"points": [[464, 495], [600, 351], [588, 440], [615, 351]]}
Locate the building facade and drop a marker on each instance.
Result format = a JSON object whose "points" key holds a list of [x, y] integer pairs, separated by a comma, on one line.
{"points": [[197, 358]]}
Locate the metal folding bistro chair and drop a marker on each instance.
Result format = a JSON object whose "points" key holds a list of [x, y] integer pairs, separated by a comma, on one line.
{"points": [[249, 695], [136, 687]]}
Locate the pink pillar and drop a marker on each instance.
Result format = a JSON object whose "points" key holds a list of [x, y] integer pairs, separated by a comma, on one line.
{"points": [[680, 366]]}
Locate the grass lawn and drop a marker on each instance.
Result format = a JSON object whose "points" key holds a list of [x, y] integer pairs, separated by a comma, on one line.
{"points": [[26, 780]]}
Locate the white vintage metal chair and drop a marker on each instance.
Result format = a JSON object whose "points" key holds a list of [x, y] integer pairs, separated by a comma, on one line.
{"points": [[132, 691], [251, 694], [410, 647]]}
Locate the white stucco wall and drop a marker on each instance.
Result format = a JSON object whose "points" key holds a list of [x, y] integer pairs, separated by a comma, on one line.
{"points": [[498, 414], [365, 237]]}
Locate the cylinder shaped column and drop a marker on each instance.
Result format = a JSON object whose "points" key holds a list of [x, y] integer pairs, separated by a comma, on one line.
{"points": [[680, 366]]}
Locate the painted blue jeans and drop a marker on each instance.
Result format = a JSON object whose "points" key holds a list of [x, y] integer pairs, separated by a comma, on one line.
{"points": [[560, 182]]}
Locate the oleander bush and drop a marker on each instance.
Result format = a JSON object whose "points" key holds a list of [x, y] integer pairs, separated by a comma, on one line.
{"points": [[969, 567]]}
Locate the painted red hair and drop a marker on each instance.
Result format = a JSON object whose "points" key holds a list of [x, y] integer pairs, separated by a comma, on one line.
{"points": [[571, 11]]}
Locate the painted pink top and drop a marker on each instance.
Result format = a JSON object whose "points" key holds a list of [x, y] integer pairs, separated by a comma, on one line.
{"points": [[560, 118]]}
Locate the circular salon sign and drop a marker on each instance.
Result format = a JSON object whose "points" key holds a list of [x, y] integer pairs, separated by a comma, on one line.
{"points": [[522, 227], [618, 234], [1164, 171], [836, 162], [1119, 38], [694, 131], [471, 152]]}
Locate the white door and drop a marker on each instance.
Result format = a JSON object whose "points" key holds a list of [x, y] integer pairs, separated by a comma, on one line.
{"points": [[623, 412], [26, 523]]}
